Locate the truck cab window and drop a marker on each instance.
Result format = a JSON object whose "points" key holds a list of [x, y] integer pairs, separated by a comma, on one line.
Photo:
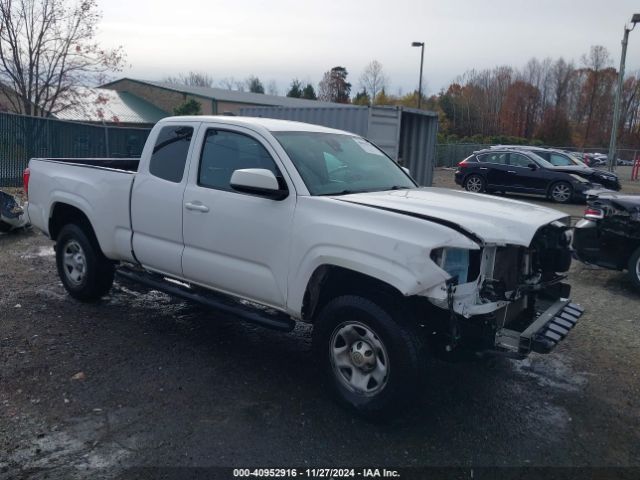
{"points": [[224, 152], [169, 155]]}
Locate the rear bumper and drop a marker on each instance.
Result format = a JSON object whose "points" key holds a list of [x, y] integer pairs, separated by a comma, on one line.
{"points": [[544, 333]]}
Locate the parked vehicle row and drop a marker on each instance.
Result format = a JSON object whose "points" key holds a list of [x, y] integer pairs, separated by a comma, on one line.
{"points": [[569, 160], [278, 222], [508, 170]]}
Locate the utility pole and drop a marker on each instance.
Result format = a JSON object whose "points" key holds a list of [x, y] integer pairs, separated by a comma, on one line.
{"points": [[616, 108], [421, 45]]}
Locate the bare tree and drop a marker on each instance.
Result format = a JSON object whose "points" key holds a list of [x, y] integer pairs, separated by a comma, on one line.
{"points": [[232, 83], [192, 79], [272, 88], [373, 79], [48, 50]]}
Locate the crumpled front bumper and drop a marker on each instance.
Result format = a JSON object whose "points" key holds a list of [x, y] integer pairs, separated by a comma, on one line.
{"points": [[544, 333]]}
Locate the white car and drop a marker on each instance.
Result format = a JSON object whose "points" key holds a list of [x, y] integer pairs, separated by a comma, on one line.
{"points": [[280, 222]]}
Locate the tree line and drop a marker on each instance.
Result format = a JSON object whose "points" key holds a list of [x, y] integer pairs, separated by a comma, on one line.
{"points": [[555, 101], [48, 51]]}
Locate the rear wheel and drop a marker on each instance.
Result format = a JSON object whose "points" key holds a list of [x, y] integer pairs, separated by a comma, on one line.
{"points": [[561, 192], [84, 270], [634, 268], [373, 360], [474, 183]]}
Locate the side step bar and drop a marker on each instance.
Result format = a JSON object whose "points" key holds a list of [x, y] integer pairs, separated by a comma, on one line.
{"points": [[551, 327], [223, 303], [541, 336]]}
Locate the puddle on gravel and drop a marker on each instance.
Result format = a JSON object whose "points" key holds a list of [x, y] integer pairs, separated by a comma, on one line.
{"points": [[87, 443], [551, 371], [39, 252]]}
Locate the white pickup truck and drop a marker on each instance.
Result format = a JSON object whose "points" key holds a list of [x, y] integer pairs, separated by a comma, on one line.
{"points": [[280, 221]]}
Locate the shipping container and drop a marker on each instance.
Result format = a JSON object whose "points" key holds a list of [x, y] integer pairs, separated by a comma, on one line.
{"points": [[407, 135]]}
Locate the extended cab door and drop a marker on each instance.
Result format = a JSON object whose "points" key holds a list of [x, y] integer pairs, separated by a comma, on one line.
{"points": [[157, 197], [236, 242]]}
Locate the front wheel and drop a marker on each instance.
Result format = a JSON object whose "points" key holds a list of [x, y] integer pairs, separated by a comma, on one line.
{"points": [[561, 192], [634, 268], [84, 270], [372, 357]]}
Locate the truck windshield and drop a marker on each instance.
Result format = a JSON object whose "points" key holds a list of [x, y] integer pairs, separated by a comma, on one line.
{"points": [[336, 164]]}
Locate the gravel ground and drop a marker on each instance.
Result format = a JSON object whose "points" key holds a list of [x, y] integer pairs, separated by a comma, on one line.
{"points": [[141, 379]]}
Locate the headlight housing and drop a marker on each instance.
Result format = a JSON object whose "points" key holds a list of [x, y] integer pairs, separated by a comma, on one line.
{"points": [[460, 263]]}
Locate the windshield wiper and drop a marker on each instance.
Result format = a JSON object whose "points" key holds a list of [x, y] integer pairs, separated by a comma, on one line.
{"points": [[398, 187]]}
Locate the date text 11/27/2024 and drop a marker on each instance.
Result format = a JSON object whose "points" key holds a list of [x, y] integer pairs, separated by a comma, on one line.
{"points": [[316, 473]]}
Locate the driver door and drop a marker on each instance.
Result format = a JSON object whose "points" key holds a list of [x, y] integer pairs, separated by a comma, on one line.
{"points": [[237, 243]]}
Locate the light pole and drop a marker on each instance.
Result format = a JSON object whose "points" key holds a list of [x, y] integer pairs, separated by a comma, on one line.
{"points": [[616, 108], [421, 45]]}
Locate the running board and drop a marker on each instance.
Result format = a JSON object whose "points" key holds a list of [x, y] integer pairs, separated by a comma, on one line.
{"points": [[217, 301]]}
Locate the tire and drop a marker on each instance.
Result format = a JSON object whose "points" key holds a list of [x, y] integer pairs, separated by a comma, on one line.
{"points": [[474, 183], [634, 268], [377, 341], [84, 270], [561, 192]]}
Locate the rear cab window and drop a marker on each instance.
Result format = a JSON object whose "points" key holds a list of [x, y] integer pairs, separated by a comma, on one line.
{"points": [[170, 151]]}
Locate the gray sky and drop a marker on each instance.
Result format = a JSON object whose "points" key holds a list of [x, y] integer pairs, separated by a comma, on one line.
{"points": [[282, 39]]}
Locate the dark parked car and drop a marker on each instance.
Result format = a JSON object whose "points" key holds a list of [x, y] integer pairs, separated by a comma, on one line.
{"points": [[508, 170], [570, 160], [609, 234]]}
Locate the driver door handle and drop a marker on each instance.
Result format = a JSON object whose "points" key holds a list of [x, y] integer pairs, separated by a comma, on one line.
{"points": [[511, 171], [197, 206]]}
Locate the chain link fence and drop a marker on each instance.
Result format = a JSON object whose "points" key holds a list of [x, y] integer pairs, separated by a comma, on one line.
{"points": [[22, 138]]}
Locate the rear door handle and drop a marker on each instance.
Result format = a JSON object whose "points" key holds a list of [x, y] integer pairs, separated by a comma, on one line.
{"points": [[197, 206], [511, 171], [484, 168]]}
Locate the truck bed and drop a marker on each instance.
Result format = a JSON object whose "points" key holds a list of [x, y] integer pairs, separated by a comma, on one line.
{"points": [[98, 187]]}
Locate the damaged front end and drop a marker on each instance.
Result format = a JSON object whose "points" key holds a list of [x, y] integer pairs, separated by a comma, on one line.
{"points": [[507, 299], [12, 215]]}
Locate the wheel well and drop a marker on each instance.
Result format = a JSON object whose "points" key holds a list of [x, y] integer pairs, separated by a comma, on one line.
{"points": [[330, 281], [63, 214]]}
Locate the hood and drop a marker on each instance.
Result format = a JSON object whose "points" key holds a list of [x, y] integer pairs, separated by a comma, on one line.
{"points": [[491, 219]]}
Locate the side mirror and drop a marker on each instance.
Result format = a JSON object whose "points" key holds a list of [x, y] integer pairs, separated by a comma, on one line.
{"points": [[258, 181], [406, 170], [533, 166]]}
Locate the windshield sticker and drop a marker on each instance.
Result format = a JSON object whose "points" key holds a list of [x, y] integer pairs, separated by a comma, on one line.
{"points": [[367, 147]]}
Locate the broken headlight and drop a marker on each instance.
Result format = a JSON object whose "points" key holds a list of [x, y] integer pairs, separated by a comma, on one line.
{"points": [[460, 263]]}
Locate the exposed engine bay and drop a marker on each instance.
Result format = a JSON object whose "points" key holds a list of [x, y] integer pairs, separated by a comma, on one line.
{"points": [[503, 287]]}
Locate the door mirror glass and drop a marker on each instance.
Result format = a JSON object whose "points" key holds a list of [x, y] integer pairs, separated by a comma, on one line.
{"points": [[258, 181]]}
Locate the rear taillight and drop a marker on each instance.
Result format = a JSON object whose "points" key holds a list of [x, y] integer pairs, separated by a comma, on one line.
{"points": [[463, 164], [25, 180], [594, 213]]}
